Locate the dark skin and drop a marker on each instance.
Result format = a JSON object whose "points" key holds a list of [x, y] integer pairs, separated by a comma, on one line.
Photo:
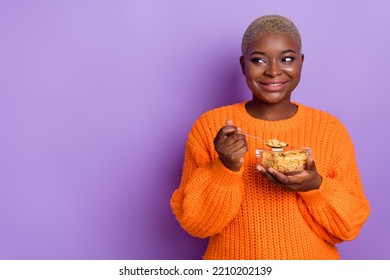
{"points": [[231, 146], [272, 66]]}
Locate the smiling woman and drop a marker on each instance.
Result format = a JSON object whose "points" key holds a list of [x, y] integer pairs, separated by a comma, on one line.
{"points": [[272, 67], [249, 211]]}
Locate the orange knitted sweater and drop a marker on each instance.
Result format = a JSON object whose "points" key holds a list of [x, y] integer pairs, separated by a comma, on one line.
{"points": [[247, 217]]}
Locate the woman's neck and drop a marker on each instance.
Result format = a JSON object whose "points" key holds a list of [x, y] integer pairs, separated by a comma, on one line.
{"points": [[271, 112]]}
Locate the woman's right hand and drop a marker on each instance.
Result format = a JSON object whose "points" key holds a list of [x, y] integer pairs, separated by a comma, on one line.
{"points": [[231, 146]]}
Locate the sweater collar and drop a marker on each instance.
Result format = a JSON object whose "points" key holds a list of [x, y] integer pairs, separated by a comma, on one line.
{"points": [[286, 124]]}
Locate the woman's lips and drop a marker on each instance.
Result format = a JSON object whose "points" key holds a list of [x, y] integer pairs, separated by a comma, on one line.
{"points": [[273, 86]]}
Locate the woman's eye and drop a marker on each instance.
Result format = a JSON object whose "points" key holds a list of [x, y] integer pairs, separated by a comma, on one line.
{"points": [[288, 59], [258, 60]]}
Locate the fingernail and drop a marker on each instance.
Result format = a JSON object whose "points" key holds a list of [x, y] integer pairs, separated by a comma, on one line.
{"points": [[238, 128]]}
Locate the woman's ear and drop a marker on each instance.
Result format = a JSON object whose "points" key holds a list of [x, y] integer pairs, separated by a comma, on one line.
{"points": [[242, 63], [302, 58]]}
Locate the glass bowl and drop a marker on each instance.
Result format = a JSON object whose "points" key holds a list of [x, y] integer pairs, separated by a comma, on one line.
{"points": [[287, 160]]}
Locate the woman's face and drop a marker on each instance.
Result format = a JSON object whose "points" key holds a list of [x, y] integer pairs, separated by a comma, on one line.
{"points": [[272, 67]]}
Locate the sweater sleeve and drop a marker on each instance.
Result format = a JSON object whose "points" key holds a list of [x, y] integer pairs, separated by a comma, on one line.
{"points": [[209, 195], [339, 208]]}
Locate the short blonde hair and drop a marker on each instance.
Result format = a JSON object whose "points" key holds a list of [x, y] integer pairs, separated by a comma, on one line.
{"points": [[270, 23]]}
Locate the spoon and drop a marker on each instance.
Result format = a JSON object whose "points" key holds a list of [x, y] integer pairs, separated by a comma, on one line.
{"points": [[266, 143]]}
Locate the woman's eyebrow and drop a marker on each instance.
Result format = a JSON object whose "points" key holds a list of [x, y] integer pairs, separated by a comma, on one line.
{"points": [[264, 53], [257, 52], [289, 50]]}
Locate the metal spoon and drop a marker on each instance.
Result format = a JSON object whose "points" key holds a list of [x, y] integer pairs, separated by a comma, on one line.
{"points": [[272, 147]]}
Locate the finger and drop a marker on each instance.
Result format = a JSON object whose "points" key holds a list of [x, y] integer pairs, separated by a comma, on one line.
{"points": [[267, 175], [225, 132], [279, 176], [261, 169], [311, 165], [238, 154], [236, 139], [229, 122]]}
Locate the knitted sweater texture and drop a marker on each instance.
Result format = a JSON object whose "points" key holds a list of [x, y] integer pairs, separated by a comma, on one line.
{"points": [[247, 217]]}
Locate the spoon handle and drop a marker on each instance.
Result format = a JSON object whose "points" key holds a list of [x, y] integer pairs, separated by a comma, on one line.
{"points": [[253, 137]]}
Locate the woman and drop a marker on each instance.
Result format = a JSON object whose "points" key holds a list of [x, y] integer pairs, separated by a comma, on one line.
{"points": [[251, 212]]}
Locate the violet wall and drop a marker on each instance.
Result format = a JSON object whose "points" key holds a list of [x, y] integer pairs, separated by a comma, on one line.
{"points": [[97, 98]]}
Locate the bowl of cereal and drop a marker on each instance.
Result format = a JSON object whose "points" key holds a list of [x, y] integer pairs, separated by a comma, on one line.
{"points": [[287, 160]]}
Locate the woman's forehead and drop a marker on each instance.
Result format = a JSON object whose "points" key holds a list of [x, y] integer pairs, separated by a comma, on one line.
{"points": [[273, 42]]}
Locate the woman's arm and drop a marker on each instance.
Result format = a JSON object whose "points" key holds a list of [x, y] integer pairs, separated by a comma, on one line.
{"points": [[338, 209], [210, 194]]}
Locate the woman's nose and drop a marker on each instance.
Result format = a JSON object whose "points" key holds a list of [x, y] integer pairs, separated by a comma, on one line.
{"points": [[273, 69]]}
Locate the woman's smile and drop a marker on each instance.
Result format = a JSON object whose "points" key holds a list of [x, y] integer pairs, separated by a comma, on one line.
{"points": [[273, 86]]}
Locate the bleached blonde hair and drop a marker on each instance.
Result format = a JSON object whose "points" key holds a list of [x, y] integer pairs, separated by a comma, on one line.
{"points": [[270, 23]]}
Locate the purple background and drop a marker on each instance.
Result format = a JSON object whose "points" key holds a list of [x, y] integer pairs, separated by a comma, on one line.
{"points": [[97, 98]]}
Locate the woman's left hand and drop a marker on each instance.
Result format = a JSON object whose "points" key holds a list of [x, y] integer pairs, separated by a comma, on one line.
{"points": [[307, 180]]}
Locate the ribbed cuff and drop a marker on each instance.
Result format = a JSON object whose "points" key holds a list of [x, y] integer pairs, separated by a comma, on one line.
{"points": [[316, 196]]}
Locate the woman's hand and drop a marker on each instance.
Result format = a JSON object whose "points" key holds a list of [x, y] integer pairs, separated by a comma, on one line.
{"points": [[307, 180], [230, 146]]}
